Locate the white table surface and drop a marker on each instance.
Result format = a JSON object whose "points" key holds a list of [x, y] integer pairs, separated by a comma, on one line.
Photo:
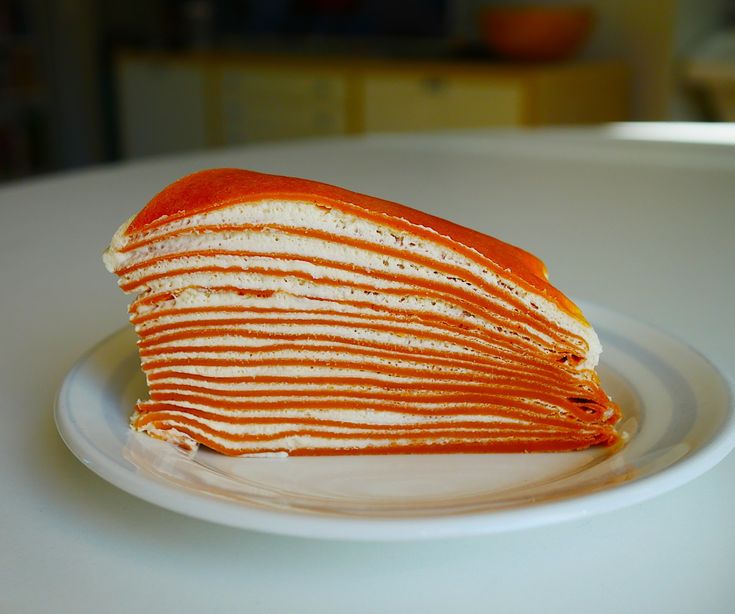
{"points": [[645, 228]]}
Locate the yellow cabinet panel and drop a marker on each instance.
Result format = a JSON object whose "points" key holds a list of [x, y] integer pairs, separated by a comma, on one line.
{"points": [[414, 102], [259, 104]]}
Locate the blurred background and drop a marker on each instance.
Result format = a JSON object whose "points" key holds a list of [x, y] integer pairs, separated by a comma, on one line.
{"points": [[84, 82]]}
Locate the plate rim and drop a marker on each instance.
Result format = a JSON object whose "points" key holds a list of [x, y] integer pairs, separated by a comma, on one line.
{"points": [[298, 523]]}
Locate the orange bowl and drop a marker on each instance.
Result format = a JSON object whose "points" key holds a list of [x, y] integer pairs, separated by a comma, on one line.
{"points": [[536, 33]]}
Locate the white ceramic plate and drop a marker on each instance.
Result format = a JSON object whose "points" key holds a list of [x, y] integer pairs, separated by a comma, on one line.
{"points": [[677, 410]]}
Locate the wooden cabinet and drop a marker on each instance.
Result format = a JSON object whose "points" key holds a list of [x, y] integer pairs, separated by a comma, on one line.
{"points": [[172, 103], [470, 96], [408, 102], [257, 104]]}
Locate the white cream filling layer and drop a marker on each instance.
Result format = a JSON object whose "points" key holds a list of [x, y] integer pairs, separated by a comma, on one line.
{"points": [[308, 215], [261, 335], [373, 364], [285, 372], [194, 298], [296, 442], [216, 388], [346, 329], [271, 242], [286, 279], [335, 294], [390, 307], [354, 417]]}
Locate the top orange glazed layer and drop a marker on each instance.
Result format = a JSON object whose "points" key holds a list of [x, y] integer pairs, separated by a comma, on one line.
{"points": [[212, 189]]}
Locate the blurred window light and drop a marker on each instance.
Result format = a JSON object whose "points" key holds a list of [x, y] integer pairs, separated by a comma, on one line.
{"points": [[713, 133]]}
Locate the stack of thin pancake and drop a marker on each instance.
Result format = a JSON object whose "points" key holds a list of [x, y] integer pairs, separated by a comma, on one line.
{"points": [[280, 315]]}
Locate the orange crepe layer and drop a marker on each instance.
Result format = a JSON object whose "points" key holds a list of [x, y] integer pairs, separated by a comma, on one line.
{"points": [[284, 316]]}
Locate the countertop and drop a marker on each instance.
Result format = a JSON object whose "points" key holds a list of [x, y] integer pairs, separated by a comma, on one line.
{"points": [[638, 219]]}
